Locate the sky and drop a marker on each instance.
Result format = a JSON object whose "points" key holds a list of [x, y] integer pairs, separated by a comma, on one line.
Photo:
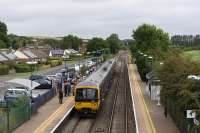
{"points": [[90, 18]]}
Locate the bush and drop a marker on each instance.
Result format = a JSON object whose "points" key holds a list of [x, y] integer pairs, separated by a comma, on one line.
{"points": [[54, 63], [22, 67], [4, 69]]}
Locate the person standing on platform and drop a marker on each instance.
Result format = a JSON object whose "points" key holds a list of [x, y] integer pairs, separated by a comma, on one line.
{"points": [[68, 87], [60, 96], [165, 111], [65, 87]]}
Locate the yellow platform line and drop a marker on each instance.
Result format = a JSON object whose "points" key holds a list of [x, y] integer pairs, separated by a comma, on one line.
{"points": [[52, 117], [146, 108]]}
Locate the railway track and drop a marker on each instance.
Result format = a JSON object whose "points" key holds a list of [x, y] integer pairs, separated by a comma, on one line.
{"points": [[116, 114], [119, 116]]}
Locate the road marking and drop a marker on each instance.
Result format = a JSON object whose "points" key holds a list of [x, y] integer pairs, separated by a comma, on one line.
{"points": [[49, 120], [146, 108]]}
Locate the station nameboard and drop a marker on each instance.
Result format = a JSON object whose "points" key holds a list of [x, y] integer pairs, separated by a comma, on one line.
{"points": [[191, 114]]}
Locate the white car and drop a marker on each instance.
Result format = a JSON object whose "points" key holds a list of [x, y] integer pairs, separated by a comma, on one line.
{"points": [[89, 63], [16, 92]]}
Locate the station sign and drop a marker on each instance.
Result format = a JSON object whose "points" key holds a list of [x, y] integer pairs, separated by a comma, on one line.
{"points": [[191, 114]]}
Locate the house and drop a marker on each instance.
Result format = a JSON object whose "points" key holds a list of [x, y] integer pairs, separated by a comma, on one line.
{"points": [[42, 54], [153, 86], [29, 54], [70, 52], [9, 54], [3, 58], [21, 56], [83, 47], [56, 53]]}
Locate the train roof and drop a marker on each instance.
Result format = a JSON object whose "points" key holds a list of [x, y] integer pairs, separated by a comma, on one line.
{"points": [[87, 83]]}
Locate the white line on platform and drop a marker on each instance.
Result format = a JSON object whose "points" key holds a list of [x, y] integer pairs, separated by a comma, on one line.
{"points": [[54, 129], [135, 115]]}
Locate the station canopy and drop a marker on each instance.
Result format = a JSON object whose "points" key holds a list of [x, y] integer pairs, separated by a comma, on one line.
{"points": [[24, 82]]}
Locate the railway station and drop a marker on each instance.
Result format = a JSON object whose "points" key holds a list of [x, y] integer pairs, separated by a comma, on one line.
{"points": [[110, 100]]}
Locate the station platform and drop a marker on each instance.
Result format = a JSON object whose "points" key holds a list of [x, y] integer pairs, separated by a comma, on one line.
{"points": [[148, 116], [47, 117]]}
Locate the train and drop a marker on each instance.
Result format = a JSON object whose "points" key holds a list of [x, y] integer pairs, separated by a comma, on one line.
{"points": [[88, 92]]}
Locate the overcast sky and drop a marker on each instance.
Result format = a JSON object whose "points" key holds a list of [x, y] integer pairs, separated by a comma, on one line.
{"points": [[89, 18]]}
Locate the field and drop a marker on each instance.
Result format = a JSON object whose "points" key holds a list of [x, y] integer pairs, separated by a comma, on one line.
{"points": [[193, 54]]}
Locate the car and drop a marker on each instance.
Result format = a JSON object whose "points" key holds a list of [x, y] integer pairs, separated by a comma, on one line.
{"points": [[44, 81], [44, 84], [58, 74], [90, 63], [16, 92], [34, 77]]}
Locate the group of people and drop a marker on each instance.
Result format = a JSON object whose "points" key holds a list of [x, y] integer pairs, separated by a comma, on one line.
{"points": [[67, 85], [65, 88]]}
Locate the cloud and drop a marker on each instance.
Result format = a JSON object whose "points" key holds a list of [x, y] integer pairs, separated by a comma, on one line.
{"points": [[89, 18]]}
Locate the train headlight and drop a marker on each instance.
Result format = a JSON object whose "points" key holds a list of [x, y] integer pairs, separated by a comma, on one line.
{"points": [[78, 104], [94, 104]]}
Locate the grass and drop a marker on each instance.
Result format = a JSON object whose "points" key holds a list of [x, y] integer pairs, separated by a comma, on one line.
{"points": [[193, 54]]}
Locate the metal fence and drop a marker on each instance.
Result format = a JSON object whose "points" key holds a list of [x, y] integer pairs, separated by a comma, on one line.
{"points": [[13, 114]]}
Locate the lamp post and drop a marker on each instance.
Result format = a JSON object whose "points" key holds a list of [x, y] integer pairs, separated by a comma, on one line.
{"points": [[32, 63], [158, 91], [65, 57], [151, 62]]}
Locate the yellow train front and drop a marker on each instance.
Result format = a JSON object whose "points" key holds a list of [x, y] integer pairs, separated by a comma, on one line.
{"points": [[87, 97]]}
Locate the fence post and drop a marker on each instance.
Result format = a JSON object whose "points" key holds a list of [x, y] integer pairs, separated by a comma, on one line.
{"points": [[8, 123]]}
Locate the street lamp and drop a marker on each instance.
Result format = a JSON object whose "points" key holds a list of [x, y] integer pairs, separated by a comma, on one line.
{"points": [[161, 63], [65, 57], [32, 63]]}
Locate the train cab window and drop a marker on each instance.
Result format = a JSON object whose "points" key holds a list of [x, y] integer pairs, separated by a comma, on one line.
{"points": [[86, 94], [91, 93]]}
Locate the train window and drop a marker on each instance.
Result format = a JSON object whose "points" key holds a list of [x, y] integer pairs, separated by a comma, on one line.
{"points": [[91, 93], [86, 94], [81, 94]]}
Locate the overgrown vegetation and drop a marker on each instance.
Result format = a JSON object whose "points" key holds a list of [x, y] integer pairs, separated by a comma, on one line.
{"points": [[22, 67], [4, 69], [178, 93]]}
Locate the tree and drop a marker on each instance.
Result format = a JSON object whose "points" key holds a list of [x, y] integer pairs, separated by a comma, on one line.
{"points": [[114, 43], [4, 41], [3, 28], [71, 41], [53, 43], [148, 37], [96, 44], [178, 92]]}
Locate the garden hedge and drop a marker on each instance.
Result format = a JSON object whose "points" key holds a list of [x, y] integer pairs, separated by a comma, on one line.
{"points": [[20, 68], [4, 69]]}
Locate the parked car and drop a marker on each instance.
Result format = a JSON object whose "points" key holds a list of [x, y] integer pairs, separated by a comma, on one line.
{"points": [[16, 92], [44, 81], [44, 84], [34, 77], [89, 63]]}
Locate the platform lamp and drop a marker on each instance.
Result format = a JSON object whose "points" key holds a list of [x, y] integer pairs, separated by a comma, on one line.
{"points": [[151, 61], [158, 92]]}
